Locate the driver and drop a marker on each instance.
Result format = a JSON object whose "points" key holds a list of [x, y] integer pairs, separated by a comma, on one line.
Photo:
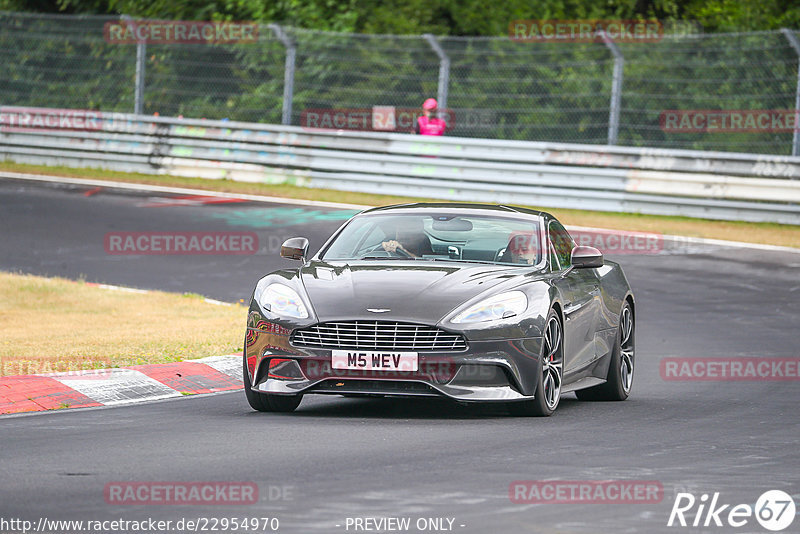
{"points": [[523, 247], [410, 239]]}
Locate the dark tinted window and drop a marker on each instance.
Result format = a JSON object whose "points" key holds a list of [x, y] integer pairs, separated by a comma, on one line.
{"points": [[561, 246], [436, 236]]}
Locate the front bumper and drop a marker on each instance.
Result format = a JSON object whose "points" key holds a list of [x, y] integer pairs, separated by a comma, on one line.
{"points": [[489, 370]]}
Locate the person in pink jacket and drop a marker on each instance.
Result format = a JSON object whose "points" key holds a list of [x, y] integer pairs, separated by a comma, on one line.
{"points": [[429, 124]]}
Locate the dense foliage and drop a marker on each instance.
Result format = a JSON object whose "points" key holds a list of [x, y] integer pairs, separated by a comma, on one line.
{"points": [[443, 17], [498, 88]]}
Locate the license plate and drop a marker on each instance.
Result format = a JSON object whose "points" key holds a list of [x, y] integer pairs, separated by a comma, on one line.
{"points": [[374, 360]]}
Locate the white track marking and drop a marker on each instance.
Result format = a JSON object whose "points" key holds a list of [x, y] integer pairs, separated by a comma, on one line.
{"points": [[217, 302], [230, 365], [120, 288], [119, 386]]}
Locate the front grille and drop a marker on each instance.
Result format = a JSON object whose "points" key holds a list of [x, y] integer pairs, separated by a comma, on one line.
{"points": [[377, 335]]}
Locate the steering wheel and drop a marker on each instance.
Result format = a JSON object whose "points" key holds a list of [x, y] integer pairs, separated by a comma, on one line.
{"points": [[402, 253], [379, 248]]}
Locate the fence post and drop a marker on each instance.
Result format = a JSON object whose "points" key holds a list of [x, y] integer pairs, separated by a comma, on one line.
{"points": [[616, 88], [796, 45], [288, 72], [138, 100], [444, 72], [138, 89]]}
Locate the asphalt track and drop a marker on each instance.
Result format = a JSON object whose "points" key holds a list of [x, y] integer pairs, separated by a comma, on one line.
{"points": [[338, 457]]}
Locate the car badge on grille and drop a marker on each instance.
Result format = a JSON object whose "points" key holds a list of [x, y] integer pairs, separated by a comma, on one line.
{"points": [[378, 310]]}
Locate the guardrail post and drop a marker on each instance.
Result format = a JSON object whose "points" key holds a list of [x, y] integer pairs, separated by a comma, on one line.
{"points": [[444, 72], [616, 88], [796, 136], [288, 72], [138, 90]]}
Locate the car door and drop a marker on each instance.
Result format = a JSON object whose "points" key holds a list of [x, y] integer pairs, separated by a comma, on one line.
{"points": [[580, 289]]}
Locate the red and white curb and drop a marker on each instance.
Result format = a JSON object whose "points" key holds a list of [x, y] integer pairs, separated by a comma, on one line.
{"points": [[112, 387]]}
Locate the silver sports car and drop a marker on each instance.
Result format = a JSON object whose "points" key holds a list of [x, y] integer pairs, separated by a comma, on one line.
{"points": [[476, 303]]}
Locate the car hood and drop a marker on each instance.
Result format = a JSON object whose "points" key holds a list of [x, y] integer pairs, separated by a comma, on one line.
{"points": [[410, 291]]}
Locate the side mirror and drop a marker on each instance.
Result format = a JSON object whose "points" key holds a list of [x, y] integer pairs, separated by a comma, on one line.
{"points": [[586, 257], [295, 248]]}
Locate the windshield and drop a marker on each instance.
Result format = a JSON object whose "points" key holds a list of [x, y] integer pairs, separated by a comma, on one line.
{"points": [[439, 236]]}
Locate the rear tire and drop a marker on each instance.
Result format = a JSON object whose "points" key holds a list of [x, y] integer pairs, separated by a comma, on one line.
{"points": [[264, 402], [619, 380], [548, 384]]}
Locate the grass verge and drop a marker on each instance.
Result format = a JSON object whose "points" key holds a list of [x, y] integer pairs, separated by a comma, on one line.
{"points": [[764, 233], [55, 325]]}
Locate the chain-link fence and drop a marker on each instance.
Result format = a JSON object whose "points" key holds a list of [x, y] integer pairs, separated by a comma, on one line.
{"points": [[493, 87]]}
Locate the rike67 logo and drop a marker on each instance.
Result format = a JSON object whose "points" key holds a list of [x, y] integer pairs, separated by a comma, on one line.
{"points": [[774, 510]]}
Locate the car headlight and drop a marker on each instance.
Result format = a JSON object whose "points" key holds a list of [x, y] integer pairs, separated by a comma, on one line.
{"points": [[282, 300], [500, 306]]}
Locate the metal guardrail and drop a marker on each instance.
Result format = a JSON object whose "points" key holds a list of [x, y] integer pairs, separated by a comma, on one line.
{"points": [[715, 185]]}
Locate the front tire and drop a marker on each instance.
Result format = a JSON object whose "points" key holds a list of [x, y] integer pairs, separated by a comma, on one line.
{"points": [[264, 402], [620, 370], [283, 403], [548, 385]]}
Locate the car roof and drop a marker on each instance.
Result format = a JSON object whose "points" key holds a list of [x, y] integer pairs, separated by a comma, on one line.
{"points": [[466, 207]]}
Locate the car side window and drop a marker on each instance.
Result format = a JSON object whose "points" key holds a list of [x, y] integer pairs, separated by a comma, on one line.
{"points": [[554, 266], [561, 245]]}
